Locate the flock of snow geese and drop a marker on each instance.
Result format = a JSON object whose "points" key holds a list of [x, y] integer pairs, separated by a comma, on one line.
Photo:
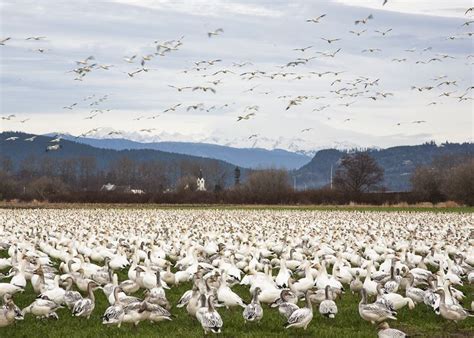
{"points": [[348, 91], [393, 260]]}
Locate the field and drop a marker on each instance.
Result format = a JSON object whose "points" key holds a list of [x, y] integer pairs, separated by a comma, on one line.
{"points": [[193, 224]]}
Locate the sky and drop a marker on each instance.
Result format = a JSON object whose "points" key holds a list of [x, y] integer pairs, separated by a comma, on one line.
{"points": [[37, 79]]}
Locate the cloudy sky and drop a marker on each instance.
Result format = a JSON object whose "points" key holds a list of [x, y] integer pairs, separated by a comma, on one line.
{"points": [[36, 85]]}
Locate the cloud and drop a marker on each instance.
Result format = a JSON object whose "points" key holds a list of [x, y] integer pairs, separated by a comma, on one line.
{"points": [[38, 85]]}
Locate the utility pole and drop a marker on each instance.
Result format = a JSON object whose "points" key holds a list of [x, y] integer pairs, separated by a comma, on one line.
{"points": [[331, 176]]}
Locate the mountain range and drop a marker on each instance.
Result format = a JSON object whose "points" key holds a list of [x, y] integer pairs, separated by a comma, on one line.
{"points": [[397, 162], [243, 157]]}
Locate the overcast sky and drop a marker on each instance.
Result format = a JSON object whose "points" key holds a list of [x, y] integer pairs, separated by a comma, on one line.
{"points": [[36, 86]]}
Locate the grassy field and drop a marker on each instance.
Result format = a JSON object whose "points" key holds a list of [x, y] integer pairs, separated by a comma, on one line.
{"points": [[420, 322]]}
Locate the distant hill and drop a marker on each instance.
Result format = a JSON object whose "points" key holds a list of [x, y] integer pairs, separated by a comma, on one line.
{"points": [[18, 150], [242, 157], [398, 162]]}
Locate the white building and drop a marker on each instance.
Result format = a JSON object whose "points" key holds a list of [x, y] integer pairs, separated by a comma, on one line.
{"points": [[201, 183]]}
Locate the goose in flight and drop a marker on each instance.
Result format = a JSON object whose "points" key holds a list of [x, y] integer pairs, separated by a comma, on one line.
{"points": [[384, 32], [25, 120], [467, 23], [306, 130], [330, 40], [172, 108], [197, 106], [147, 130], [316, 19], [90, 117], [245, 117], [250, 89], [2, 41], [71, 106], [470, 9], [56, 139], [36, 38], [85, 61], [253, 136], [303, 49], [179, 89], [106, 67], [399, 60], [209, 62], [153, 117], [8, 118], [364, 21], [215, 32], [40, 50], [419, 121], [358, 33], [141, 117], [129, 59], [384, 2], [295, 63], [240, 65], [13, 138], [113, 132], [371, 50], [223, 71], [204, 89], [330, 54], [347, 104], [321, 108], [132, 74], [31, 139]]}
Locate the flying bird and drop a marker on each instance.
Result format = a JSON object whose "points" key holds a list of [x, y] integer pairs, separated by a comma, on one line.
{"points": [[8, 118], [358, 33], [316, 20], [70, 107], [306, 130], [419, 121], [215, 32], [36, 38], [364, 21], [303, 49], [470, 9], [245, 117], [330, 40], [384, 2], [253, 136], [2, 41], [384, 32], [13, 138], [30, 139], [129, 59]]}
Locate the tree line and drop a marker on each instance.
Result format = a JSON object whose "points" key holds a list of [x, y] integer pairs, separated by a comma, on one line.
{"points": [[358, 178]]}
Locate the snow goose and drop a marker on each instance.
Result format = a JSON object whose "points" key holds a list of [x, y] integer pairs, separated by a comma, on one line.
{"points": [[283, 275], [70, 296], [301, 318], [85, 306], [452, 312], [253, 311], [374, 312], [286, 304], [356, 284], [328, 307], [386, 332], [114, 314], [209, 318], [9, 312], [227, 296], [42, 308]]}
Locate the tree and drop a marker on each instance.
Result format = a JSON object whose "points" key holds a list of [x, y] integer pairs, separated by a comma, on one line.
{"points": [[426, 184], [459, 184], [357, 173], [267, 185]]}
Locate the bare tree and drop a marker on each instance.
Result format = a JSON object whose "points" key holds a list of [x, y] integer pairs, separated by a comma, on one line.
{"points": [[357, 173]]}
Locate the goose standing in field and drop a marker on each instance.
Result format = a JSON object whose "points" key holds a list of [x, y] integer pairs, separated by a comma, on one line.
{"points": [[328, 307], [283, 275], [253, 312], [452, 312], [209, 318], [227, 296], [9, 312], [114, 314], [416, 294], [286, 303], [71, 296], [386, 332], [301, 318], [356, 284], [85, 306], [374, 312], [7, 288], [42, 308]]}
